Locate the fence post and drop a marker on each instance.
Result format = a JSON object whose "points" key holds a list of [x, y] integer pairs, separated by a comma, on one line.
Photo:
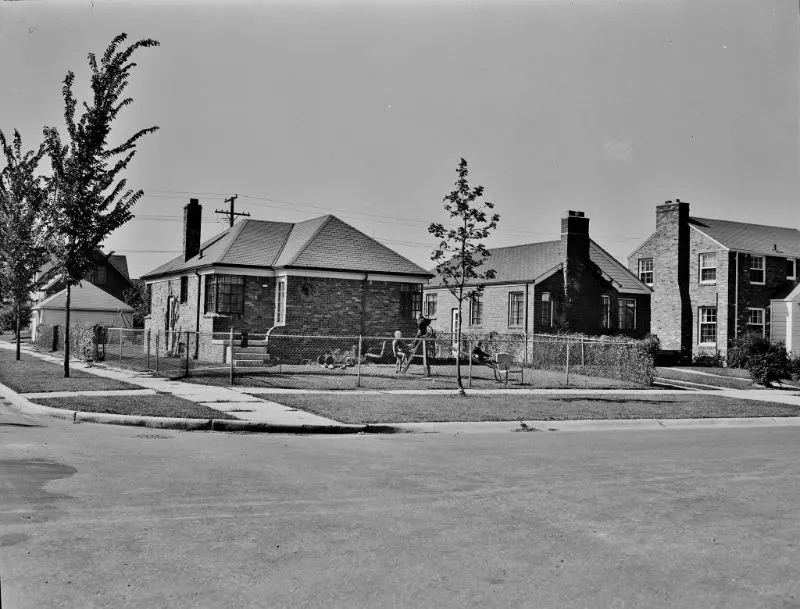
{"points": [[425, 366], [186, 361], [147, 357], [120, 346], [469, 354], [583, 354], [358, 363], [231, 354], [566, 381]]}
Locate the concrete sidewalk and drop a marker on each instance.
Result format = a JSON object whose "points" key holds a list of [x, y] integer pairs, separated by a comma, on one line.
{"points": [[259, 414]]}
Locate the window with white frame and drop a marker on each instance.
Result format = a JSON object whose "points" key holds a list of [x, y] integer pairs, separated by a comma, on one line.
{"points": [[791, 268], [646, 270], [606, 311], [476, 310], [516, 308], [626, 313], [755, 320], [708, 268], [430, 305], [757, 269], [280, 301], [547, 310], [707, 322]]}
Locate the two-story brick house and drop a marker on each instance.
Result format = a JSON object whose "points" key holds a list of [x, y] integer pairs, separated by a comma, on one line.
{"points": [[571, 284], [318, 277], [713, 280]]}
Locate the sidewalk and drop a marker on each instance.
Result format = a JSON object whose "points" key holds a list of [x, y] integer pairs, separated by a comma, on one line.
{"points": [[258, 414]]}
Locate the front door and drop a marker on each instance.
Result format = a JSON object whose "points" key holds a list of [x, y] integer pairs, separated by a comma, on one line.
{"points": [[454, 322]]}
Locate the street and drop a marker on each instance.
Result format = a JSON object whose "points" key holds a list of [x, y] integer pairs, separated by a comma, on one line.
{"points": [[110, 516]]}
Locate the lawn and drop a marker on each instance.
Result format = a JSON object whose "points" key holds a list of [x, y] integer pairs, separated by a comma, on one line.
{"points": [[33, 375], [385, 408], [160, 405]]}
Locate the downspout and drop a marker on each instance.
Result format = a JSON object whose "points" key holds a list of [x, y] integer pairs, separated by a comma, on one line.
{"points": [[364, 304], [526, 307], [197, 321], [736, 301]]}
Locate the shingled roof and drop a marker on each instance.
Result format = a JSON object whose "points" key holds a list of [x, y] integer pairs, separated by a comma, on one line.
{"points": [[324, 243], [754, 238], [525, 263]]}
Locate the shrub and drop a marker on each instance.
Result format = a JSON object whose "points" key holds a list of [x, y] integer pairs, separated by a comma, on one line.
{"points": [[8, 321], [712, 361], [44, 338], [770, 365], [741, 349], [81, 339], [794, 367]]}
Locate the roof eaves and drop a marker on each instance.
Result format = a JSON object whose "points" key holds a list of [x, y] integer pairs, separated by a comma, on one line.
{"points": [[622, 266], [549, 272], [643, 243]]}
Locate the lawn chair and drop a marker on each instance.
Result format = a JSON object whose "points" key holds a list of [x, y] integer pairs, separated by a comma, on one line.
{"points": [[375, 355], [504, 366]]}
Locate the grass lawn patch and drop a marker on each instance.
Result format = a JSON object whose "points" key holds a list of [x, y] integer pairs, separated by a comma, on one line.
{"points": [[385, 408], [139, 405], [33, 375]]}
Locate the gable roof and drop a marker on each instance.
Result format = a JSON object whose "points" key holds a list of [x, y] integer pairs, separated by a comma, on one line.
{"points": [[120, 262], [755, 238], [84, 296], [325, 243], [525, 263]]}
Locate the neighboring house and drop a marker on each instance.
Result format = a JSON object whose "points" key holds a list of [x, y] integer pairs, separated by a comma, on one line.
{"points": [[319, 277], [88, 304], [713, 280], [567, 285], [109, 272]]}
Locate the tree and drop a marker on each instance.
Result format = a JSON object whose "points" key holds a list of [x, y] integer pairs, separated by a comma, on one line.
{"points": [[137, 298], [90, 199], [461, 252], [23, 231]]}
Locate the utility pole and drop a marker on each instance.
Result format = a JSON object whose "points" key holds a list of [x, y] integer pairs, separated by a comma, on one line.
{"points": [[231, 215]]}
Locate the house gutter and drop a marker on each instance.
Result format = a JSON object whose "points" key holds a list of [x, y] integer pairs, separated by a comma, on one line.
{"points": [[364, 303], [526, 307]]}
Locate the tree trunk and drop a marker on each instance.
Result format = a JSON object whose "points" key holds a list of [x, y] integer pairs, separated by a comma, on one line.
{"points": [[19, 328], [461, 391], [66, 333]]}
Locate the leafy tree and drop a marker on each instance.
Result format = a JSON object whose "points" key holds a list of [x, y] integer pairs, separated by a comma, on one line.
{"points": [[137, 298], [461, 253], [90, 199], [23, 231]]}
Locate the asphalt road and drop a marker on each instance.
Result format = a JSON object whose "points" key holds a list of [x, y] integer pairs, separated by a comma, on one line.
{"points": [[106, 516]]}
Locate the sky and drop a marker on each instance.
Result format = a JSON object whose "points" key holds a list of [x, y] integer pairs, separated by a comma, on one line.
{"points": [[364, 109]]}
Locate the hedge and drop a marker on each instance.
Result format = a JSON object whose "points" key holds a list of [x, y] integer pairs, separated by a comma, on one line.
{"points": [[81, 340]]}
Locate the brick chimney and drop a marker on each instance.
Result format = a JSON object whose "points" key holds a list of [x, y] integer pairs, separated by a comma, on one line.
{"points": [[582, 303], [671, 310], [192, 214]]}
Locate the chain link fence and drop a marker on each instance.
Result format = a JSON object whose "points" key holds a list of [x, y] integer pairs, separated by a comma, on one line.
{"points": [[380, 362]]}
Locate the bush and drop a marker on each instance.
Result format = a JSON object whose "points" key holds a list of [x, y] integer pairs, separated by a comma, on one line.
{"points": [[81, 340], [767, 362], [794, 367], [711, 361], [8, 321]]}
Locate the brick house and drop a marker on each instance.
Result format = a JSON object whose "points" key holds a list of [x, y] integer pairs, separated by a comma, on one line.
{"points": [[318, 277], [713, 280], [567, 285]]}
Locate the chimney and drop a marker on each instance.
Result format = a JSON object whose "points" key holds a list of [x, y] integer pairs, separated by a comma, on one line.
{"points": [[582, 304], [192, 214]]}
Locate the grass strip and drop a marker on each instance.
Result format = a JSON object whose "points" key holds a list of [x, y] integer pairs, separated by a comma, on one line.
{"points": [[384, 408], [33, 375], [161, 405]]}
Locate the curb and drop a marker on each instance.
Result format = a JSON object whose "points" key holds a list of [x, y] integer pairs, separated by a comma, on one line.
{"points": [[25, 406]]}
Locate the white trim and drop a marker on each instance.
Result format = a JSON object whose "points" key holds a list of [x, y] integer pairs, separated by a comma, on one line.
{"points": [[701, 268], [359, 275], [651, 271], [700, 324], [707, 236], [793, 276], [280, 304], [763, 323]]}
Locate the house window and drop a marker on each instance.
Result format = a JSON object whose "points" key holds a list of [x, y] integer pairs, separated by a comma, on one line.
{"points": [[224, 294], [184, 289], [708, 325], [757, 269], [547, 310], [410, 300], [606, 312], [280, 301], [646, 271], [627, 314], [755, 320], [708, 268], [430, 305], [100, 274], [476, 310], [791, 268], [516, 308]]}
